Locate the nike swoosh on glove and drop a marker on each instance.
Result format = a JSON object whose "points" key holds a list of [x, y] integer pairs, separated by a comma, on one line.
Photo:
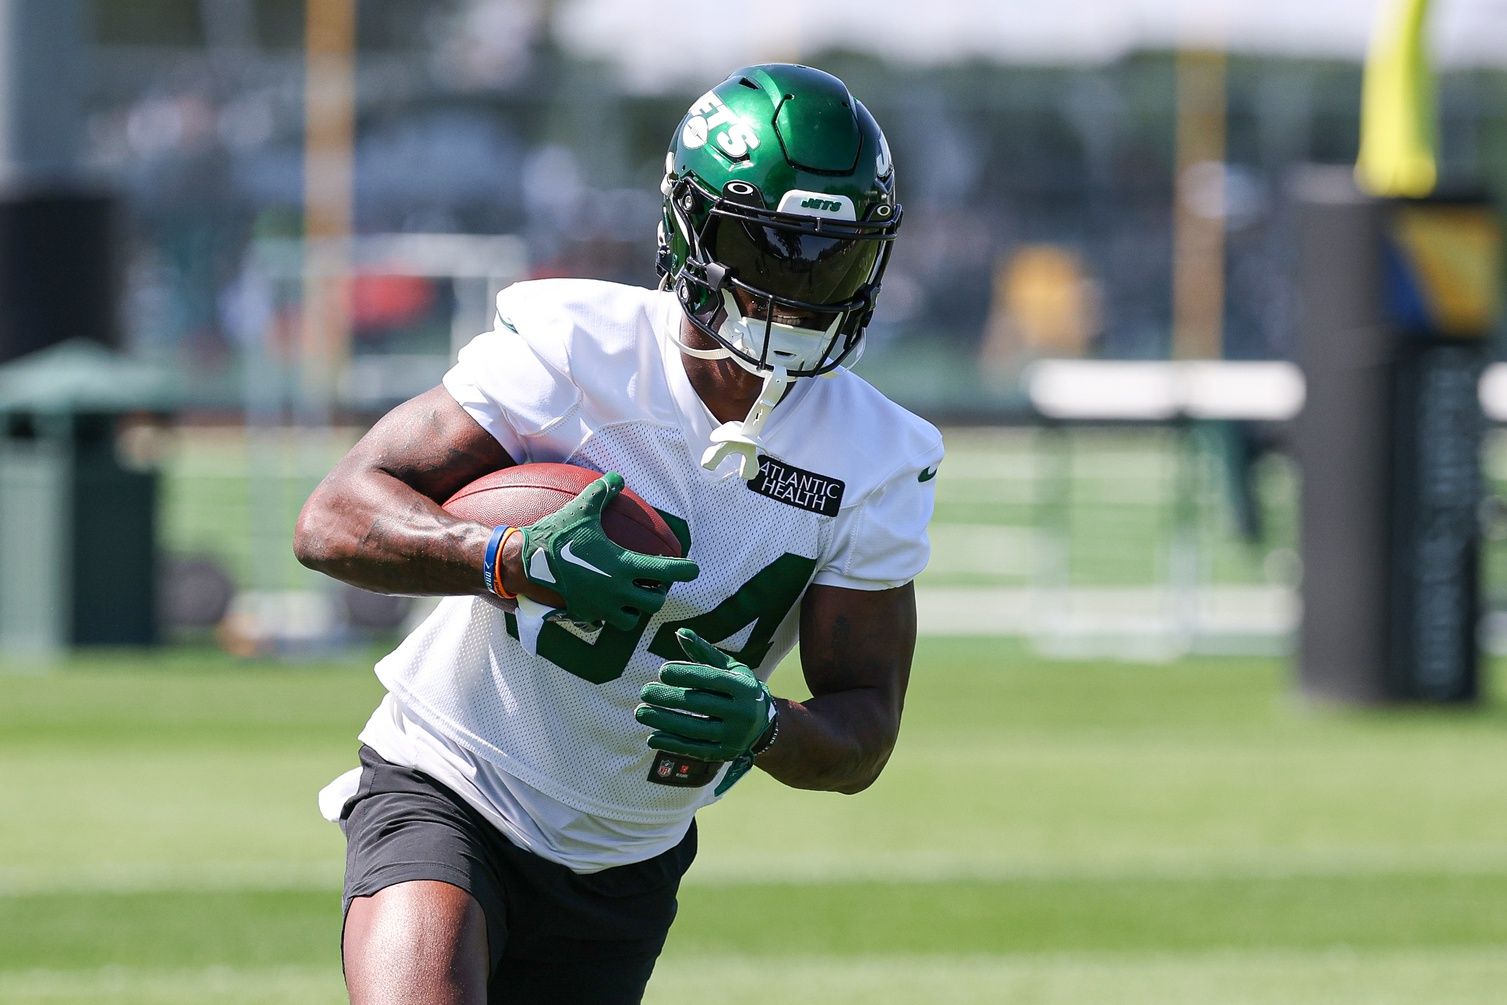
{"points": [[601, 581]]}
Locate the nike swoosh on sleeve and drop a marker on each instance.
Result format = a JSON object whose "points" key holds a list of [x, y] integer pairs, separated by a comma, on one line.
{"points": [[927, 474], [570, 556]]}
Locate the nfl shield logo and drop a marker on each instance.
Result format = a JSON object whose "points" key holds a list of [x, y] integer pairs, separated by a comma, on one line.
{"points": [[665, 768]]}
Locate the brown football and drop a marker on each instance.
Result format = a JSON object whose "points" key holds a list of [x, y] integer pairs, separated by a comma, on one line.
{"points": [[526, 493]]}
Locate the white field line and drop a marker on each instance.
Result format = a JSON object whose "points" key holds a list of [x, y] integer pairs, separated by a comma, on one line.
{"points": [[1129, 611], [716, 870], [115, 982], [52, 981], [1114, 468], [1275, 866], [1261, 959], [981, 547], [201, 877], [1105, 496], [1060, 616]]}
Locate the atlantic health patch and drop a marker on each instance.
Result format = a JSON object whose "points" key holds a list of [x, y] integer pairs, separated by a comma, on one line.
{"points": [[797, 487]]}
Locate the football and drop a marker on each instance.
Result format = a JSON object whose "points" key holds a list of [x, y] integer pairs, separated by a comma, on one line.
{"points": [[525, 493]]}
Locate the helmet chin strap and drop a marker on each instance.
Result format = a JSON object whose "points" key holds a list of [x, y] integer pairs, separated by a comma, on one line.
{"points": [[719, 352], [741, 439]]}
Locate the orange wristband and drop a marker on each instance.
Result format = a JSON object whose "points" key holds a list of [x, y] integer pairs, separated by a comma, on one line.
{"points": [[497, 586]]}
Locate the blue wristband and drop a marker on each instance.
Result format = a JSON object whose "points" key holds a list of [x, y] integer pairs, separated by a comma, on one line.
{"points": [[489, 560]]}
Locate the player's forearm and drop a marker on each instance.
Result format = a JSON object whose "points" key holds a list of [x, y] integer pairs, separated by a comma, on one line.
{"points": [[837, 742], [373, 531]]}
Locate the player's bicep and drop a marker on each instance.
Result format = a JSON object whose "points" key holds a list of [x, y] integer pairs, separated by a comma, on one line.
{"points": [[429, 443], [859, 640]]}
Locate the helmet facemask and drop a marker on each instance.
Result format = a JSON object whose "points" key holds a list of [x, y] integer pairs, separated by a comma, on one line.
{"points": [[773, 334], [777, 289]]}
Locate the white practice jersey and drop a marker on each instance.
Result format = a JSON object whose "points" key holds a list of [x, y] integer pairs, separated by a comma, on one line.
{"points": [[544, 742]]}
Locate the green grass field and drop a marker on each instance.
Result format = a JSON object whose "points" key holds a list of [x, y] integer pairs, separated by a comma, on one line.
{"points": [[1047, 832]]}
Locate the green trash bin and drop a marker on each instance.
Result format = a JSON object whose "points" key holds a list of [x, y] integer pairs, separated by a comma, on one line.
{"points": [[78, 537]]}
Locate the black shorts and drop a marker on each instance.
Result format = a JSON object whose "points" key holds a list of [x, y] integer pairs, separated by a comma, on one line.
{"points": [[553, 935]]}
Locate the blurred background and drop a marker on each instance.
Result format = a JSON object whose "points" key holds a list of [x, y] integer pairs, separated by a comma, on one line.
{"points": [[233, 233]]}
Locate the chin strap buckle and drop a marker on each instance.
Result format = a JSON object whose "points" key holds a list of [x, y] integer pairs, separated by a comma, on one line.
{"points": [[728, 440], [741, 439]]}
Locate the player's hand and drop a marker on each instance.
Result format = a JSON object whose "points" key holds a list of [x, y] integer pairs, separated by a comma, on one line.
{"points": [[568, 552], [712, 708]]}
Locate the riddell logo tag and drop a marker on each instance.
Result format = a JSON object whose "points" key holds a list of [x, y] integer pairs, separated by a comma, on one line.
{"points": [[797, 487]]}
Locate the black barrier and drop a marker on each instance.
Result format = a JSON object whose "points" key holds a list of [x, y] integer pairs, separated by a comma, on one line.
{"points": [[1397, 297], [59, 278], [1436, 495], [78, 541]]}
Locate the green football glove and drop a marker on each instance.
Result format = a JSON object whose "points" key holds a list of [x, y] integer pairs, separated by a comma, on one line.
{"points": [[568, 552], [712, 709]]}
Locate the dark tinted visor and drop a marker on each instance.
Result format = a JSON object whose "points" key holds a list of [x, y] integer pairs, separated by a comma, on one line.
{"points": [[788, 262], [763, 308]]}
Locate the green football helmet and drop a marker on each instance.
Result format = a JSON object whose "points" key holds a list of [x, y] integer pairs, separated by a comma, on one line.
{"points": [[779, 215]]}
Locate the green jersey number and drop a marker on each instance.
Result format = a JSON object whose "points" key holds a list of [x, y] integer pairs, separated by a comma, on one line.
{"points": [[763, 602]]}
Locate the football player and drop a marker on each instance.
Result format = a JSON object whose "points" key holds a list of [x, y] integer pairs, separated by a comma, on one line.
{"points": [[524, 807]]}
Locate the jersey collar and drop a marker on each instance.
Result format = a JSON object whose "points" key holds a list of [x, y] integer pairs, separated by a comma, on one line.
{"points": [[697, 421]]}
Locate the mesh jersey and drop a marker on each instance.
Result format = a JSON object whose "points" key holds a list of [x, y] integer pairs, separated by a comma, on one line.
{"points": [[586, 373]]}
